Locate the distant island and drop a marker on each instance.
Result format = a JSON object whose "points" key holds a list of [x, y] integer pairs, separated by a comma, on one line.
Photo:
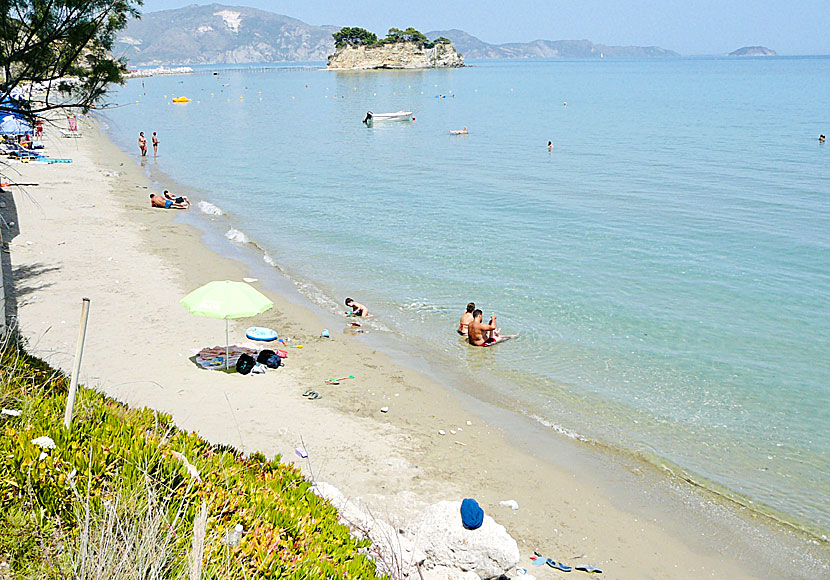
{"points": [[753, 51], [474, 48], [218, 34], [359, 49]]}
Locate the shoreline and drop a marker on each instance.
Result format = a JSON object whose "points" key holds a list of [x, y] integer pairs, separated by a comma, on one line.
{"points": [[400, 451], [216, 235]]}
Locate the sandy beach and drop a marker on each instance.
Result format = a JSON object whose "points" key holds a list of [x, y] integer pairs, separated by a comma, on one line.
{"points": [[87, 230]]}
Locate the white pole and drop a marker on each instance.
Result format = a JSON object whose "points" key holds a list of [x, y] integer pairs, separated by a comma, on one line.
{"points": [[76, 369], [226, 344]]}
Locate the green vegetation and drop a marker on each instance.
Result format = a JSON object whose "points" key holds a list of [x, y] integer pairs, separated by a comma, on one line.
{"points": [[354, 37], [362, 37], [63, 46], [118, 496]]}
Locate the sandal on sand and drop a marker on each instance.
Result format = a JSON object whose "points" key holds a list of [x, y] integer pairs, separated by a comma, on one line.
{"points": [[538, 560], [558, 566], [314, 395], [307, 393], [589, 569]]}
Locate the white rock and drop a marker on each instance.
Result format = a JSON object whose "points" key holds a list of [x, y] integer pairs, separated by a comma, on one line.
{"points": [[444, 573], [488, 551], [384, 409], [441, 432], [393, 551], [511, 503]]}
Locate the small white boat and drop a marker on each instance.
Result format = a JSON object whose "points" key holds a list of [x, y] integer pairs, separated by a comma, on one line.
{"points": [[397, 116]]}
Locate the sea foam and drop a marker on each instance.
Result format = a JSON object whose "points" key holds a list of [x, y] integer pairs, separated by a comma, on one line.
{"points": [[209, 208], [236, 236]]}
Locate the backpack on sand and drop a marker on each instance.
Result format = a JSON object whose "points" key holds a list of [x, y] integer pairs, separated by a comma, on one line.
{"points": [[245, 364], [269, 358]]}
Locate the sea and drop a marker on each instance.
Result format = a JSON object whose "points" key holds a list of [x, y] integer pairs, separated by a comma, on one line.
{"points": [[666, 264]]}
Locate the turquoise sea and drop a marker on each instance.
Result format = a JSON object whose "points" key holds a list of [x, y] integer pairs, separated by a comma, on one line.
{"points": [[667, 264]]}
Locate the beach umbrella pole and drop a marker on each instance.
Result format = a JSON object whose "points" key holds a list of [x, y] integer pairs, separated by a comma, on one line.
{"points": [[226, 344]]}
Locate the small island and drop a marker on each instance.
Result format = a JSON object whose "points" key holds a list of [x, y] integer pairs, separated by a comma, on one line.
{"points": [[753, 51], [359, 49]]}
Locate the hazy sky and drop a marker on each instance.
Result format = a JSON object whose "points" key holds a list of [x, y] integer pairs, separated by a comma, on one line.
{"points": [[687, 26]]}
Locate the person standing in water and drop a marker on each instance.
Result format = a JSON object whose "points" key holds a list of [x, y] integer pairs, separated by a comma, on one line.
{"points": [[550, 145], [142, 144], [155, 144], [466, 319]]}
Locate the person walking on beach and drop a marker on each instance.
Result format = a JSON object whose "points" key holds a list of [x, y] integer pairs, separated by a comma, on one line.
{"points": [[142, 144], [466, 319], [357, 308], [155, 144]]}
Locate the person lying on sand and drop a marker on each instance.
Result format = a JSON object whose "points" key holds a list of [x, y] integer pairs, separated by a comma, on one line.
{"points": [[357, 308], [466, 319], [164, 203], [180, 199]]}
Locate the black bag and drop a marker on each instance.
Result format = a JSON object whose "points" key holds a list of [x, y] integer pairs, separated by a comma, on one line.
{"points": [[245, 364], [269, 358]]}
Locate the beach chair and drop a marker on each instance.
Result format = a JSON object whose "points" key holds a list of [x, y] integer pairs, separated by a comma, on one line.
{"points": [[73, 127], [23, 154]]}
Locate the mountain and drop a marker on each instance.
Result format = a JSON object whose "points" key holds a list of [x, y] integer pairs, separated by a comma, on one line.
{"points": [[217, 34], [753, 51], [474, 49]]}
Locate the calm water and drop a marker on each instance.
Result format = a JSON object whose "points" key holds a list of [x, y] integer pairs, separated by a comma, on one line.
{"points": [[667, 265]]}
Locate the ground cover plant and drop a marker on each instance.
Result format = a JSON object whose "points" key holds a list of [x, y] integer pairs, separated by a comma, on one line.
{"points": [[126, 494]]}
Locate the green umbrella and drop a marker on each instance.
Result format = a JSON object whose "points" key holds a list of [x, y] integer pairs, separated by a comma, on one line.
{"points": [[226, 299]]}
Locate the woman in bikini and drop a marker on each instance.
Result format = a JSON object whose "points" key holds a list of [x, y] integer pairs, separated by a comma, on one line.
{"points": [[466, 319]]}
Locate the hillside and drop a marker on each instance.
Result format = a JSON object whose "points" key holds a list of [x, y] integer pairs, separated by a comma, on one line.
{"points": [[216, 34], [473, 49]]}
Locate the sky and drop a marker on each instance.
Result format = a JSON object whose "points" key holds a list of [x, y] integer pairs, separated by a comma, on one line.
{"points": [[690, 27]]}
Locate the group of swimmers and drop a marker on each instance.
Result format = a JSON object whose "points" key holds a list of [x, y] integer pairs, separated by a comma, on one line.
{"points": [[471, 326], [476, 332]]}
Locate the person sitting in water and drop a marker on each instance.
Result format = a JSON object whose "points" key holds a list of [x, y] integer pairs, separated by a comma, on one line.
{"points": [[180, 199], [479, 334], [821, 138], [357, 308], [466, 319], [164, 203]]}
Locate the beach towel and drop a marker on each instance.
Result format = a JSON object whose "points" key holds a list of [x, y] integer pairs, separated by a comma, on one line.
{"points": [[214, 357], [472, 516]]}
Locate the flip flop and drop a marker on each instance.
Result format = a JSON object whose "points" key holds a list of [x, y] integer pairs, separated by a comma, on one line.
{"points": [[589, 569], [314, 395], [307, 393], [558, 566], [538, 560]]}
